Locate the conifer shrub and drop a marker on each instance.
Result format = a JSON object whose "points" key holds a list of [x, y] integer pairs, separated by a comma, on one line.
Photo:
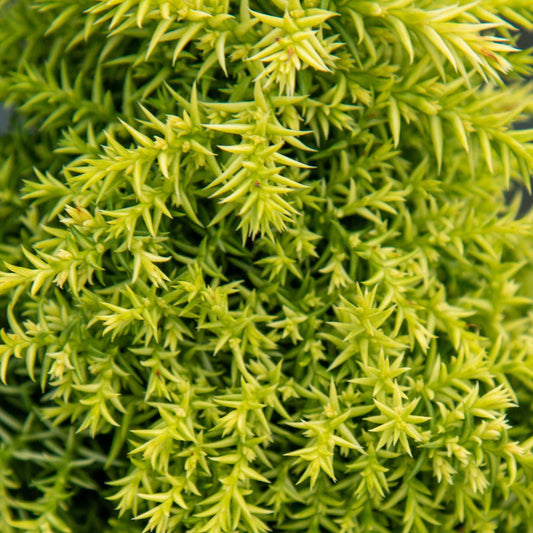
{"points": [[258, 273]]}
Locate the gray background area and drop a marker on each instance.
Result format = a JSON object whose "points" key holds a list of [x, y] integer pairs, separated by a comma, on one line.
{"points": [[525, 41], [3, 120]]}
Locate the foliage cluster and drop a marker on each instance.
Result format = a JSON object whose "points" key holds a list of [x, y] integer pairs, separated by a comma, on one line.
{"points": [[258, 272]]}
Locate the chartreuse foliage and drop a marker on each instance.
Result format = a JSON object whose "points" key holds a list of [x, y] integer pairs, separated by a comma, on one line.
{"points": [[258, 273]]}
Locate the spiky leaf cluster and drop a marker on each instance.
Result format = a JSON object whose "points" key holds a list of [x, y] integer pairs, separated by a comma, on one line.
{"points": [[258, 272]]}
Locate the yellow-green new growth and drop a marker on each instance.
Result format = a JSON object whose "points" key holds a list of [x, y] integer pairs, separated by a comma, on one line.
{"points": [[258, 271]]}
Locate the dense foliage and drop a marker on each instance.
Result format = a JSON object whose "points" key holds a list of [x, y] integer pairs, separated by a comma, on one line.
{"points": [[258, 272]]}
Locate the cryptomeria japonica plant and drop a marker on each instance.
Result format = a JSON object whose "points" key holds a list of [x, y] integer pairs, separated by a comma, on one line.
{"points": [[258, 273]]}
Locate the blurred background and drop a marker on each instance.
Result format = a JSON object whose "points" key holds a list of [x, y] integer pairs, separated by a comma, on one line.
{"points": [[3, 120], [526, 41]]}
